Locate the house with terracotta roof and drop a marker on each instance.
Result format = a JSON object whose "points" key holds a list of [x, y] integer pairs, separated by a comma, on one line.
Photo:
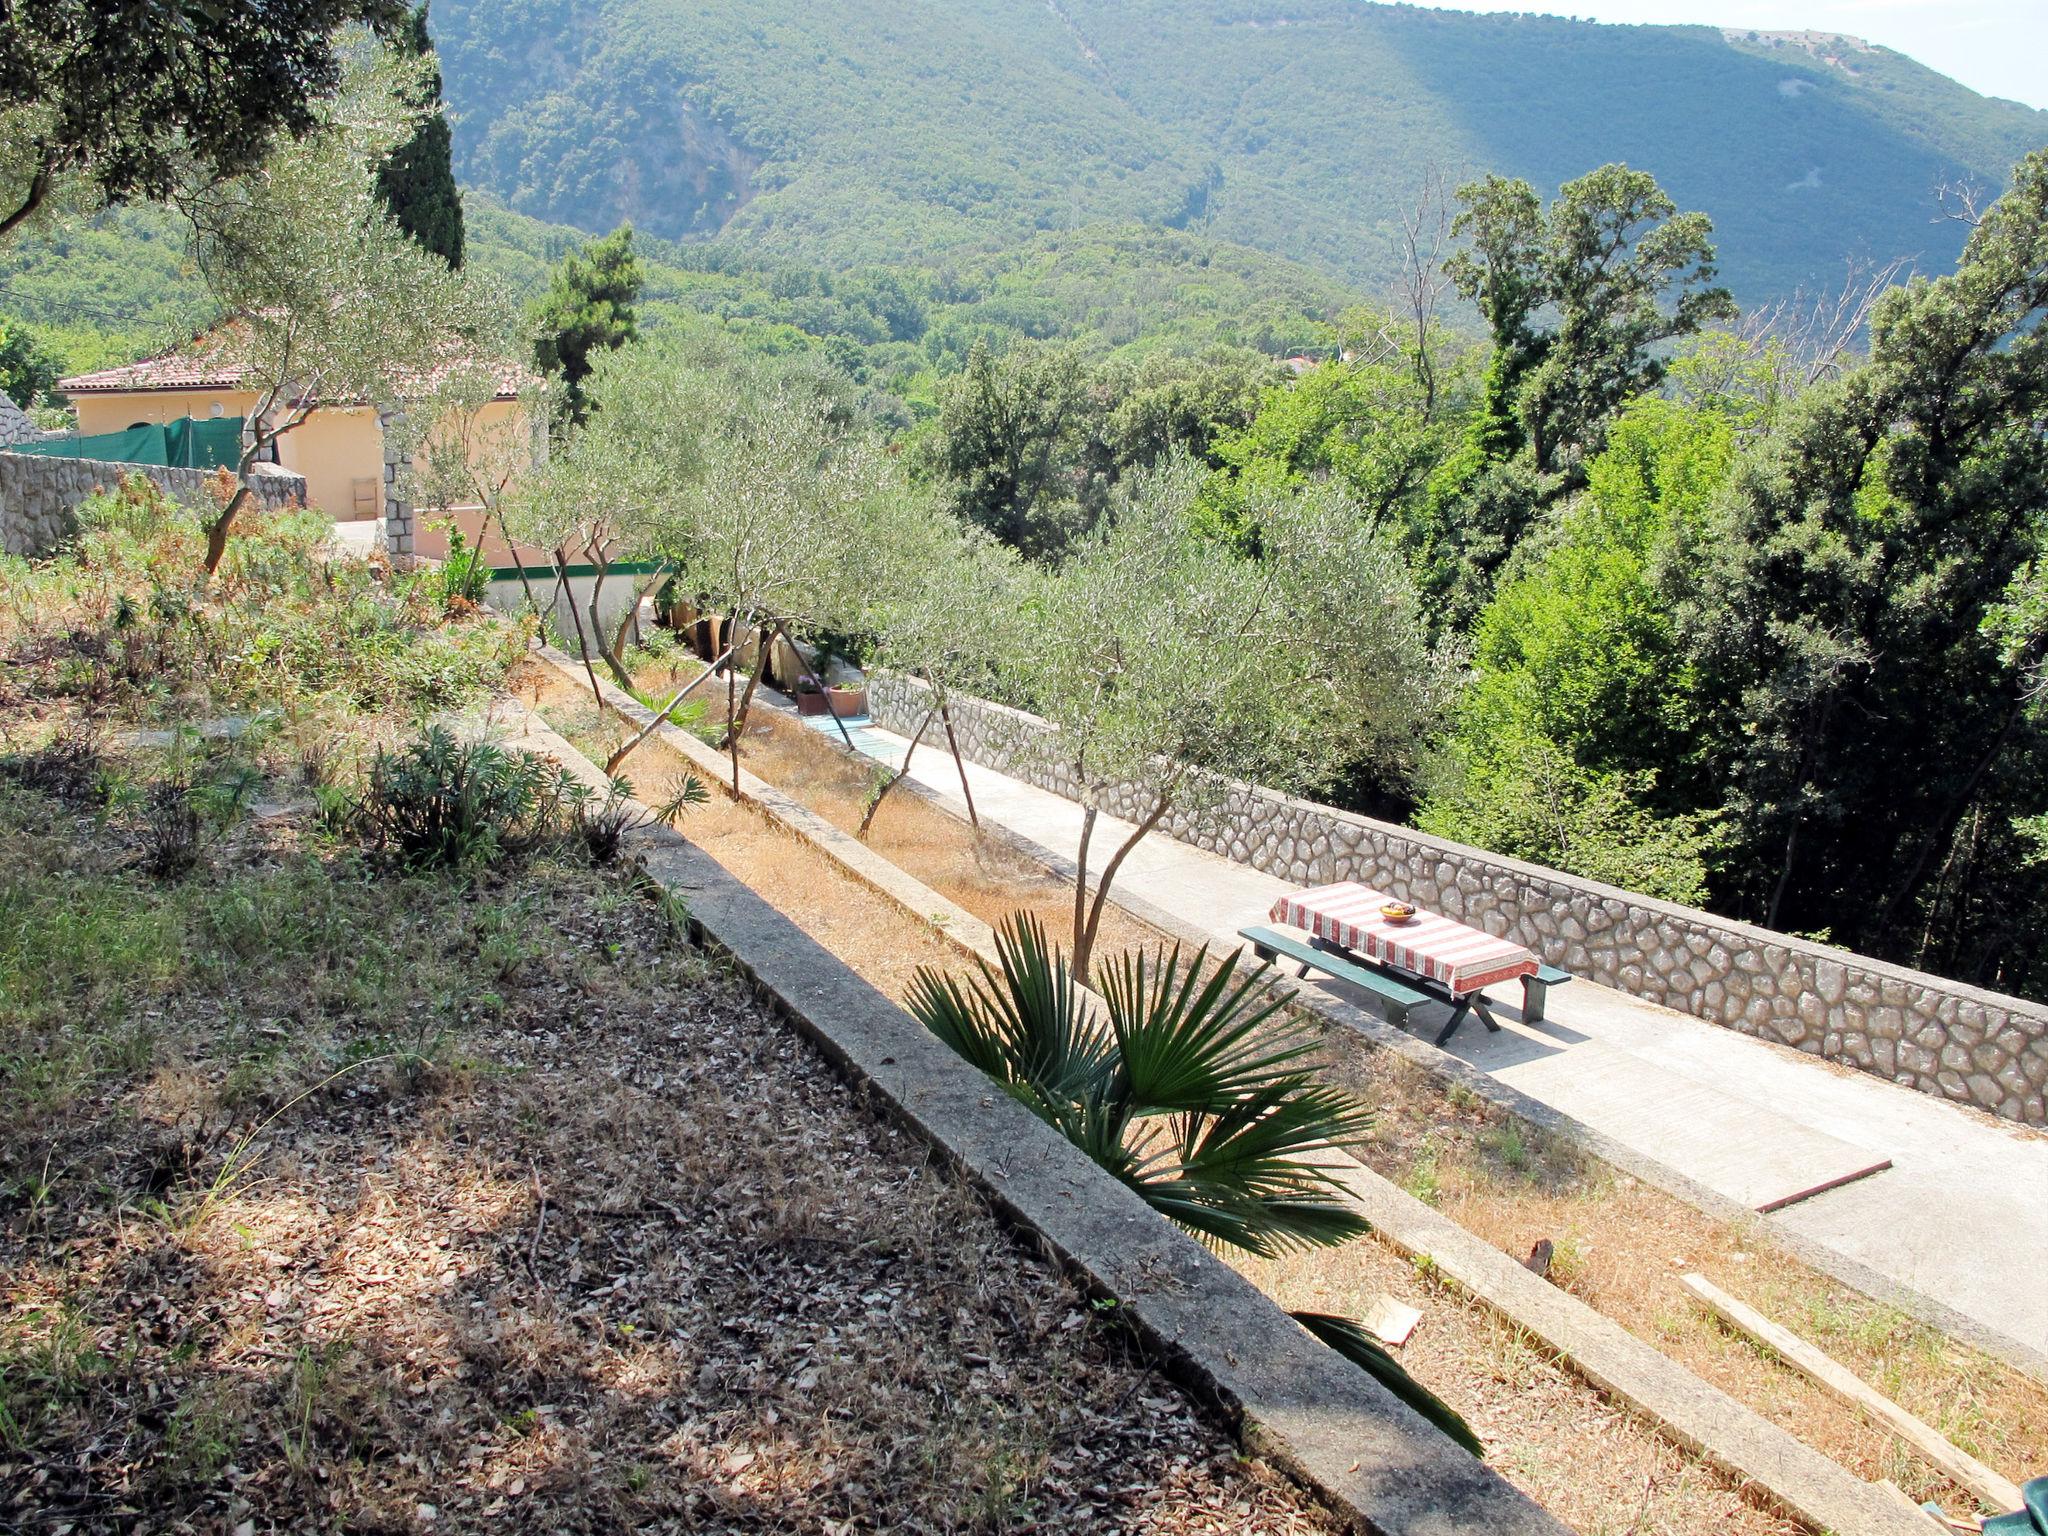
{"points": [[339, 448]]}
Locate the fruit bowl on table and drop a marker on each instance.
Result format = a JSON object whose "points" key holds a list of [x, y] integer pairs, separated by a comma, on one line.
{"points": [[1396, 911]]}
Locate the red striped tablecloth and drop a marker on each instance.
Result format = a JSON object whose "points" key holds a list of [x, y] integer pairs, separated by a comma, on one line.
{"points": [[1446, 951]]}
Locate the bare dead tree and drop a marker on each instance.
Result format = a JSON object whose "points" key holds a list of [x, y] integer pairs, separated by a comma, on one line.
{"points": [[1963, 201], [1425, 242], [1798, 341]]}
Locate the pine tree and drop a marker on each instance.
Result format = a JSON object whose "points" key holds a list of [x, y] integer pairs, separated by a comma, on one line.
{"points": [[417, 180], [589, 306]]}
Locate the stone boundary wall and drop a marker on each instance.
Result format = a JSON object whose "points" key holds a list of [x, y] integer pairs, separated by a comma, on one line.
{"points": [[38, 495], [1942, 1037]]}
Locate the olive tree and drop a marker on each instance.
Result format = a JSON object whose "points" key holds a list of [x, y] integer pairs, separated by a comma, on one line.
{"points": [[754, 482], [942, 602], [1174, 666], [326, 300]]}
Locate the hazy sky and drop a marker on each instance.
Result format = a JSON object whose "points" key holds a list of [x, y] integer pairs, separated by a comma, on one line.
{"points": [[1999, 47]]}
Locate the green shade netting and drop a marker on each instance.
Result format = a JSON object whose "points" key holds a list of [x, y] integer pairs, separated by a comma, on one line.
{"points": [[187, 443]]}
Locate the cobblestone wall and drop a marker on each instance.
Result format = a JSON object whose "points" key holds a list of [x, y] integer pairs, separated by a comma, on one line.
{"points": [[38, 495], [1944, 1038]]}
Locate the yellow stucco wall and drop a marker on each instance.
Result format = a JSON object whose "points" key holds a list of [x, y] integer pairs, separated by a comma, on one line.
{"points": [[339, 449], [117, 413]]}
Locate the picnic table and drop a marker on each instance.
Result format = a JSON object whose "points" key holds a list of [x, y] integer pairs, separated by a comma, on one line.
{"points": [[1437, 957]]}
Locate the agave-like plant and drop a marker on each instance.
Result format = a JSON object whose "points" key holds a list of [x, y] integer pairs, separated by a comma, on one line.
{"points": [[1192, 1090]]}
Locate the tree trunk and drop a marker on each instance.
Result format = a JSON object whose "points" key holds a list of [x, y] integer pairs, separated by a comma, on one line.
{"points": [[953, 742], [518, 564], [1081, 886], [1084, 942], [217, 530], [612, 664], [735, 724], [576, 614], [874, 805], [38, 190]]}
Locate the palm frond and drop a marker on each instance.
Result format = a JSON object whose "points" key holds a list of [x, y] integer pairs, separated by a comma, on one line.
{"points": [[1268, 1134], [1061, 1046], [1357, 1345], [1185, 1044], [956, 1015], [1025, 1025]]}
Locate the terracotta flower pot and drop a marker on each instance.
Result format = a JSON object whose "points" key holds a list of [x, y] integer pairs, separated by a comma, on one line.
{"points": [[848, 702]]}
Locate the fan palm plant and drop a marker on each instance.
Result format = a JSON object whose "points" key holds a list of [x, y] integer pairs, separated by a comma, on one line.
{"points": [[1189, 1089]]}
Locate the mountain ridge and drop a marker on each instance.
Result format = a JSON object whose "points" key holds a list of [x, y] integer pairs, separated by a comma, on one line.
{"points": [[845, 134]]}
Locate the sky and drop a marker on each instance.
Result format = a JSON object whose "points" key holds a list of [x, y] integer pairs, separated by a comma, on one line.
{"points": [[1998, 47]]}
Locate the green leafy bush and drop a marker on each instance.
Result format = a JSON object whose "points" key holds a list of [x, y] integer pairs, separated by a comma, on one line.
{"points": [[285, 620], [465, 576], [445, 803]]}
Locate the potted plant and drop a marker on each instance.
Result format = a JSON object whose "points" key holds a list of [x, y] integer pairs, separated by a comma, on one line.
{"points": [[810, 695], [848, 700]]}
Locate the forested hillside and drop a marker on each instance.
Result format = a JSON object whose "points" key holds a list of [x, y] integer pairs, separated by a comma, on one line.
{"points": [[848, 134], [120, 287]]}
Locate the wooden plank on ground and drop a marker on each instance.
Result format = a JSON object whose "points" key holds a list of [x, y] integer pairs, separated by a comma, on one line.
{"points": [[1695, 1414], [1999, 1492]]}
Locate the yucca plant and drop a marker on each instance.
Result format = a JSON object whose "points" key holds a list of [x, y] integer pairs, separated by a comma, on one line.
{"points": [[1190, 1089]]}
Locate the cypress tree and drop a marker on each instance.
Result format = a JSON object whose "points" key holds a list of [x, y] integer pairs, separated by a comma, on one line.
{"points": [[590, 305], [417, 179]]}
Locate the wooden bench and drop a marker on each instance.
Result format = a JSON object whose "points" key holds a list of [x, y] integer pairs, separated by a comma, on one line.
{"points": [[1269, 944], [1536, 989]]}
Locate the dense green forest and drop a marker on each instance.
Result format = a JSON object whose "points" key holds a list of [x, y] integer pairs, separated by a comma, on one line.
{"points": [[121, 285], [846, 134]]}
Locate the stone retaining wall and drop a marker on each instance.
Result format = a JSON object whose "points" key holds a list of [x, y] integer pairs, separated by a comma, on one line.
{"points": [[38, 495], [1942, 1037]]}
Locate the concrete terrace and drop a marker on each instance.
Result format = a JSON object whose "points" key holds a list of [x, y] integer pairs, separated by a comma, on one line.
{"points": [[1960, 1216]]}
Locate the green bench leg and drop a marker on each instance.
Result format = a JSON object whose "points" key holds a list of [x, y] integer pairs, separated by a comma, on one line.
{"points": [[1259, 951], [1535, 993], [1474, 1003], [1457, 1017]]}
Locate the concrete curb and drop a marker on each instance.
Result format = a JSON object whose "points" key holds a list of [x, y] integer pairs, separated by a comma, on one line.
{"points": [[1441, 1065], [1680, 1404], [1371, 1458], [1698, 1415]]}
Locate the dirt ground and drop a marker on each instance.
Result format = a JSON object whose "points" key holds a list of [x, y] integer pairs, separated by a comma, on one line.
{"points": [[332, 1199], [1619, 1245]]}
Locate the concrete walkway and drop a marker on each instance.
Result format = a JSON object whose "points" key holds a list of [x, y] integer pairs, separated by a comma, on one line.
{"points": [[1960, 1215]]}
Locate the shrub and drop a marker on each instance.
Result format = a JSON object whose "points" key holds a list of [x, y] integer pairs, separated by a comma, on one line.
{"points": [[445, 803], [68, 767], [600, 825], [184, 812], [464, 577], [283, 619]]}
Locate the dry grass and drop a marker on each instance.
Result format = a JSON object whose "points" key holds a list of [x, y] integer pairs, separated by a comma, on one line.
{"points": [[337, 1200], [1619, 1244]]}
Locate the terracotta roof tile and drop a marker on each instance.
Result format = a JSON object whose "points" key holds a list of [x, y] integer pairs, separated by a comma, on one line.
{"points": [[188, 368]]}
